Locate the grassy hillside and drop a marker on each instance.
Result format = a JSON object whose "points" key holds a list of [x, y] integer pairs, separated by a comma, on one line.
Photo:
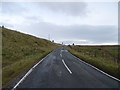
{"points": [[20, 51], [105, 58]]}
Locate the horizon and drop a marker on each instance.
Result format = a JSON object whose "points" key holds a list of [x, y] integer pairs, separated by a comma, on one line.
{"points": [[81, 23], [63, 42]]}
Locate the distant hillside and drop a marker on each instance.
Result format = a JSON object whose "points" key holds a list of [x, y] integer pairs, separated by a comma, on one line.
{"points": [[20, 51]]}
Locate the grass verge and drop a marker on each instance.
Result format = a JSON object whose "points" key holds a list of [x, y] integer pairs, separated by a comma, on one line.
{"points": [[20, 51], [13, 70], [104, 63]]}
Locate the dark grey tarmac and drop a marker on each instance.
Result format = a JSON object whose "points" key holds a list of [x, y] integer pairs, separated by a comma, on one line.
{"points": [[52, 73]]}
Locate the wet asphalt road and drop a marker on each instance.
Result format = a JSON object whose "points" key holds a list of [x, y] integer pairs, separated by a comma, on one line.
{"points": [[60, 69]]}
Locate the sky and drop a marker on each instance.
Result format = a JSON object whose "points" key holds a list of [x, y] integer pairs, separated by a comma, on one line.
{"points": [[83, 23]]}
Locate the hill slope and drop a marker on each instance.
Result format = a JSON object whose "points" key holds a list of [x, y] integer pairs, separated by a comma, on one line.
{"points": [[20, 51]]}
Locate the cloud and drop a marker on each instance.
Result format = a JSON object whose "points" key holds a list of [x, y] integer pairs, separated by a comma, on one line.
{"points": [[62, 20], [63, 13], [119, 22], [68, 8], [76, 33], [12, 8]]}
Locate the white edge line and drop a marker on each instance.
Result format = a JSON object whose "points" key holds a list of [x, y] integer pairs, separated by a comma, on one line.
{"points": [[22, 78], [98, 69], [66, 67], [29, 72]]}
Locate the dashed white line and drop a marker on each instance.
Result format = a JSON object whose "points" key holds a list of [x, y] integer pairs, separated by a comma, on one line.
{"points": [[61, 51], [61, 55], [66, 66], [65, 50]]}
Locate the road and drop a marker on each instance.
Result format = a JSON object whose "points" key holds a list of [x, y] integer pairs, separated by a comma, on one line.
{"points": [[60, 69]]}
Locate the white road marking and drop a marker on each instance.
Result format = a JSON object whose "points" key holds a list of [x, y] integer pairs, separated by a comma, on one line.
{"points": [[28, 73], [66, 66], [61, 51], [65, 50], [22, 79], [97, 69], [61, 55]]}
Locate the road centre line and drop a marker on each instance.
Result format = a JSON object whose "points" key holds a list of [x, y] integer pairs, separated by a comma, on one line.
{"points": [[66, 66], [61, 55], [64, 51], [61, 51]]}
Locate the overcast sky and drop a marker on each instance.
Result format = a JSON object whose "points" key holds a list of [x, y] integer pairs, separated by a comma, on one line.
{"points": [[68, 22]]}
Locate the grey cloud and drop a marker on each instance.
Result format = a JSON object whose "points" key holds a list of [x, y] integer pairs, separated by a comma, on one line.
{"points": [[33, 19], [6, 24], [68, 34], [93, 34], [13, 8], [69, 8], [0, 7], [119, 22]]}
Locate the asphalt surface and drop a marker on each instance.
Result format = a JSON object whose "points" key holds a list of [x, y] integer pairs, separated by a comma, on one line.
{"points": [[60, 69]]}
